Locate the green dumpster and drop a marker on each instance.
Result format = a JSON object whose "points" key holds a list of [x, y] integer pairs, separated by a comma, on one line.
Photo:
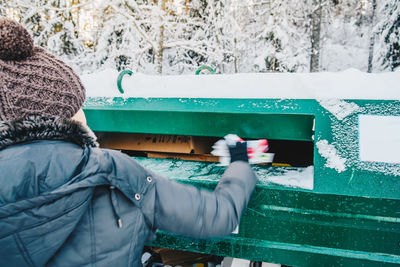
{"points": [[332, 198]]}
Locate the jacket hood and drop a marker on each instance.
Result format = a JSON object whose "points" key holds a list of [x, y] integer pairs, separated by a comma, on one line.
{"points": [[50, 172], [46, 186], [29, 170], [34, 128]]}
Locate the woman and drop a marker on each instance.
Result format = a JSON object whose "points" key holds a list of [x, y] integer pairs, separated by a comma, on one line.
{"points": [[66, 202]]}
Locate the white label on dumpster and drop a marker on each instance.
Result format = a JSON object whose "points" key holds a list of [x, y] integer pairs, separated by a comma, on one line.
{"points": [[379, 138]]}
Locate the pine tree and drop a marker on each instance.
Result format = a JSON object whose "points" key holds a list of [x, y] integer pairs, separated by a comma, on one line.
{"points": [[393, 40], [277, 37], [345, 34], [387, 43]]}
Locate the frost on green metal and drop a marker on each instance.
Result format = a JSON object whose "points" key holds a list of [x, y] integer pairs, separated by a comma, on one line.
{"points": [[211, 172], [293, 226]]}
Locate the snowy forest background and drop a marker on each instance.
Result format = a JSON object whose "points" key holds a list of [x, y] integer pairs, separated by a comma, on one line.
{"points": [[177, 36]]}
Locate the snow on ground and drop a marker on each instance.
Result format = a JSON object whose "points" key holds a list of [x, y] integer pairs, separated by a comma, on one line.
{"points": [[349, 84]]}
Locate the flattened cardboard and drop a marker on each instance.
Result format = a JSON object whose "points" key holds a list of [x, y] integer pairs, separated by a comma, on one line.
{"points": [[157, 143]]}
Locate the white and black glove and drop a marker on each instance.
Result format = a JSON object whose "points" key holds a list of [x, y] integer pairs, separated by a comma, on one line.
{"points": [[238, 151]]}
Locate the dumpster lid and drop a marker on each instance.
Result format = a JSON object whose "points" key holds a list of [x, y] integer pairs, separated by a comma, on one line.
{"points": [[349, 84]]}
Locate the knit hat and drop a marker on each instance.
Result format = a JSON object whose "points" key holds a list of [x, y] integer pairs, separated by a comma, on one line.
{"points": [[32, 81]]}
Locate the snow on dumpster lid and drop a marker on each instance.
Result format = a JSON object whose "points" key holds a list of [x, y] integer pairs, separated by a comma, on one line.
{"points": [[349, 84]]}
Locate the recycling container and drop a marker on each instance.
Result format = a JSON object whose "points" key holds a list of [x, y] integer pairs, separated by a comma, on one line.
{"points": [[332, 195]]}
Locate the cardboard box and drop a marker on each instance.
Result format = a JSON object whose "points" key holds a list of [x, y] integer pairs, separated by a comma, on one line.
{"points": [[157, 143]]}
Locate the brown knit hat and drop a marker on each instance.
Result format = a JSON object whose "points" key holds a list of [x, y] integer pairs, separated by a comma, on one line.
{"points": [[32, 81]]}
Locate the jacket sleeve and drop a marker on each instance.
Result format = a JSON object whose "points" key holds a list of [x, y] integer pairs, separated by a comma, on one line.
{"points": [[187, 210]]}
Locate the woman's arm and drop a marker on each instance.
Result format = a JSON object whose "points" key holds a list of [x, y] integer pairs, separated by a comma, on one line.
{"points": [[187, 210]]}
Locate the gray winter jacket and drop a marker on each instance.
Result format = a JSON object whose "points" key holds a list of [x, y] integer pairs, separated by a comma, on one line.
{"points": [[65, 202]]}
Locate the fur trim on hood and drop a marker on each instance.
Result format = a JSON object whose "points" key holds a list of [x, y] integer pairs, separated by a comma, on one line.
{"points": [[34, 128]]}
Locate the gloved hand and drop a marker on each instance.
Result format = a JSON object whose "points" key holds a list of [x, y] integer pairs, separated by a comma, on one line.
{"points": [[238, 151], [233, 148]]}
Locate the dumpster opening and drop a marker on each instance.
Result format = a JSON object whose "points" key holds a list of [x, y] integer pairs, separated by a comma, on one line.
{"points": [[288, 153]]}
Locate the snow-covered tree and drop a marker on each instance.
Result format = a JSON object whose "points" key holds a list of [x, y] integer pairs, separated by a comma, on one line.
{"points": [[387, 42], [279, 36], [346, 31], [50, 22], [178, 36]]}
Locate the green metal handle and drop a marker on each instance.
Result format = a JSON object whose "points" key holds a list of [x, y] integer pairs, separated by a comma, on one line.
{"points": [[120, 76], [204, 67]]}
